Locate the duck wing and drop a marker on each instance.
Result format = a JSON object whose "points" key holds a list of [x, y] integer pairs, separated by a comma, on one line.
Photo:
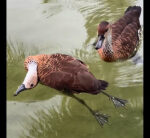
{"points": [[128, 24], [122, 36], [72, 75]]}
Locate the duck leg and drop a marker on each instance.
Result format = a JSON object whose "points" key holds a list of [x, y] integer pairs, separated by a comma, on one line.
{"points": [[116, 101], [101, 118]]}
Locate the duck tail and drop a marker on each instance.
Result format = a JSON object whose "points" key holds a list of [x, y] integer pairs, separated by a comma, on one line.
{"points": [[102, 84], [134, 9]]}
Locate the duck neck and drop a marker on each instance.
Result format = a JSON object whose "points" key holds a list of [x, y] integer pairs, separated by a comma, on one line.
{"points": [[106, 52], [107, 47], [32, 72]]}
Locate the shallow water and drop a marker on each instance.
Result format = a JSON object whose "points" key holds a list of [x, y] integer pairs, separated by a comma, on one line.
{"points": [[69, 26]]}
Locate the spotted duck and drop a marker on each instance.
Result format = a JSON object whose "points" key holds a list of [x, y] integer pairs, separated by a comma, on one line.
{"points": [[119, 41], [68, 75]]}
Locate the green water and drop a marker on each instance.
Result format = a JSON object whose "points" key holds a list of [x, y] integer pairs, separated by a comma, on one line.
{"points": [[68, 26]]}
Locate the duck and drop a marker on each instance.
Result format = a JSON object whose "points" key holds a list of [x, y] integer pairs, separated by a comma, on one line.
{"points": [[68, 75], [119, 41]]}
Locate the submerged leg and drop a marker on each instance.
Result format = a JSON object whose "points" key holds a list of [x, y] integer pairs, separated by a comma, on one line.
{"points": [[116, 101], [101, 118]]}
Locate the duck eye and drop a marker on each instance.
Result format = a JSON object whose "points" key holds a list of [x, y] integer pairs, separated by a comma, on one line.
{"points": [[102, 37], [31, 85]]}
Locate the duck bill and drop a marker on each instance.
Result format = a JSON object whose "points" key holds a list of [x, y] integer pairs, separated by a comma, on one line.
{"points": [[20, 89], [99, 42]]}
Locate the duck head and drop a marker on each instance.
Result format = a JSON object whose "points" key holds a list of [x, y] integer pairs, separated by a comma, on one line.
{"points": [[102, 29], [31, 79]]}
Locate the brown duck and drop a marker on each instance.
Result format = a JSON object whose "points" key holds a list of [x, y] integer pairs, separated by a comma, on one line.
{"points": [[119, 41], [66, 74]]}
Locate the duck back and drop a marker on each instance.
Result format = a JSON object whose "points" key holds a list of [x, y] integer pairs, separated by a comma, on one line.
{"points": [[122, 38], [65, 73]]}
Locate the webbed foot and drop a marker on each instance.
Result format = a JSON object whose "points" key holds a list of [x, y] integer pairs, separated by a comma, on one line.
{"points": [[101, 118], [118, 102]]}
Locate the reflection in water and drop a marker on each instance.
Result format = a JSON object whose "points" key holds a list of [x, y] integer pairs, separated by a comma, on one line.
{"points": [[125, 78], [59, 33], [49, 122], [50, 8], [102, 10], [68, 26], [17, 112]]}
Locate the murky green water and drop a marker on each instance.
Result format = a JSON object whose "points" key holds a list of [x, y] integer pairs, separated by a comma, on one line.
{"points": [[68, 26]]}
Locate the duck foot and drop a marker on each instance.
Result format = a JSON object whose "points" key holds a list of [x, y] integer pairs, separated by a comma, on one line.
{"points": [[101, 118], [116, 101]]}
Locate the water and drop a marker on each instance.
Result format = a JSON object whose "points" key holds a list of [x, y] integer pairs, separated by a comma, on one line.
{"points": [[68, 26]]}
